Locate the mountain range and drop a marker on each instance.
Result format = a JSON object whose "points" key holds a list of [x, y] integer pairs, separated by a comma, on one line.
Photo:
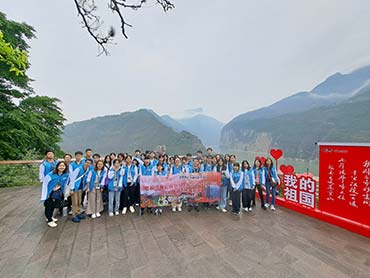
{"points": [[142, 129], [337, 110]]}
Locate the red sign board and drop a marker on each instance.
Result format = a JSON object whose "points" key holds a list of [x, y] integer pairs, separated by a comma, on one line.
{"points": [[345, 181]]}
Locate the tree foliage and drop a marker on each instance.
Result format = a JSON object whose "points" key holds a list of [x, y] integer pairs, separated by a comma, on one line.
{"points": [[28, 123]]}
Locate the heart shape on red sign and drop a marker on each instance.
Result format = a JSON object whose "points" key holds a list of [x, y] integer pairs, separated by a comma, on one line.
{"points": [[287, 169], [276, 153]]}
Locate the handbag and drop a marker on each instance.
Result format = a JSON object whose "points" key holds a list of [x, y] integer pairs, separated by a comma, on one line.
{"points": [[272, 180]]}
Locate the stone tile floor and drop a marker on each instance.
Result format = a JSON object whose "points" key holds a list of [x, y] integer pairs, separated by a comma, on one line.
{"points": [[183, 244]]}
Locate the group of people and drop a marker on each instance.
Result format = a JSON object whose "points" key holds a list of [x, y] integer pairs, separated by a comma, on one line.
{"points": [[81, 186]]}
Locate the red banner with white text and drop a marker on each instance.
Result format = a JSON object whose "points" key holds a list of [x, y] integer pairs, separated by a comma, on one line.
{"points": [[345, 182]]}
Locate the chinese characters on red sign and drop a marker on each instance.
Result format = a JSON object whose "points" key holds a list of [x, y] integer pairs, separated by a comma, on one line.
{"points": [[345, 182], [300, 190]]}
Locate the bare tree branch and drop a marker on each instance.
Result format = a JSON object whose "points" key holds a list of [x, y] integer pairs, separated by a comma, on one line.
{"points": [[87, 10]]}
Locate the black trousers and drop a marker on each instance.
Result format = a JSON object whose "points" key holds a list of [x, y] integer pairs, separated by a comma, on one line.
{"points": [[128, 196], [247, 195], [235, 197], [50, 205], [260, 192], [137, 193]]}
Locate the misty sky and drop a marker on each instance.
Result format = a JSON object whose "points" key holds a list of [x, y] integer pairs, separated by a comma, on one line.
{"points": [[227, 57]]}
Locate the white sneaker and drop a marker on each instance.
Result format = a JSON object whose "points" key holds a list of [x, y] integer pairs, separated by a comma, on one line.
{"points": [[218, 208], [52, 224], [174, 209], [116, 213], [250, 209], [70, 213], [267, 205], [246, 209], [54, 219], [179, 209], [230, 203], [124, 210], [272, 207], [93, 216], [223, 210], [98, 214], [111, 214], [132, 209]]}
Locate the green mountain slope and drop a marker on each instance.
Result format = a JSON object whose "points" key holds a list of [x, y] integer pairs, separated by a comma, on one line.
{"points": [[127, 132], [296, 133]]}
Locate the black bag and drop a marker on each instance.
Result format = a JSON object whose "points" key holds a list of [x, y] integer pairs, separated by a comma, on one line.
{"points": [[57, 197]]}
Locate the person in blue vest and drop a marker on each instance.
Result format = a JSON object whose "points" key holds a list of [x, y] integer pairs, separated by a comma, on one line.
{"points": [[208, 166], [221, 167], [145, 169], [194, 169], [174, 170], [153, 160], [77, 186], [53, 187], [47, 165], [115, 187], [159, 171], [129, 181], [162, 160], [236, 184], [95, 185], [249, 184], [232, 160], [272, 181], [259, 176], [77, 163]]}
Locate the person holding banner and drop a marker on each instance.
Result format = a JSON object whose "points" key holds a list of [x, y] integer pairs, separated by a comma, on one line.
{"points": [[146, 169], [195, 168], [225, 182], [114, 187], [259, 175], [249, 184], [272, 181], [160, 171], [176, 169], [236, 182]]}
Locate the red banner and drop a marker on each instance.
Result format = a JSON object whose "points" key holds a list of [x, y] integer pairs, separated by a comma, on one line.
{"points": [[162, 191], [345, 181]]}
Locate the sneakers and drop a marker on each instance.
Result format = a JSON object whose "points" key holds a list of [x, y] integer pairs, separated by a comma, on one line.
{"points": [[111, 214], [230, 203], [98, 214], [267, 205], [218, 208], [93, 216], [246, 209], [117, 212], [76, 219], [52, 224], [196, 208], [174, 209], [124, 210], [81, 216], [223, 210], [132, 209], [272, 207], [250, 209], [54, 219], [179, 208]]}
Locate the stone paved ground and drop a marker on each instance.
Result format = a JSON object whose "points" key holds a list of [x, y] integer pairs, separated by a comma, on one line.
{"points": [[206, 244]]}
